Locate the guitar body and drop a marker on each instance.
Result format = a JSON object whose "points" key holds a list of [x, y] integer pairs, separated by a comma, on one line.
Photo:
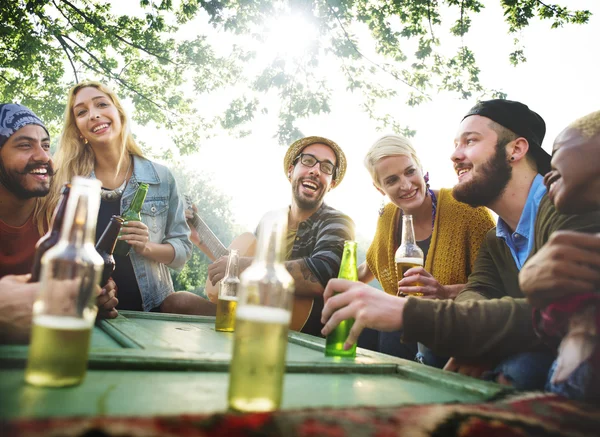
{"points": [[246, 245]]}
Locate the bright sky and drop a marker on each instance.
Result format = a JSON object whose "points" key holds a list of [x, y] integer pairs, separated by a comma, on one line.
{"points": [[559, 81]]}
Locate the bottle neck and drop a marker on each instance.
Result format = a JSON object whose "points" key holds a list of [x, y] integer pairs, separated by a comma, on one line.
{"points": [[269, 249], [79, 225], [408, 231], [348, 266], [108, 240], [138, 199], [59, 213], [232, 270]]}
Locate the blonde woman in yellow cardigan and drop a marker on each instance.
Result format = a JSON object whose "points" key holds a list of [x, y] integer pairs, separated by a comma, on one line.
{"points": [[448, 232]]}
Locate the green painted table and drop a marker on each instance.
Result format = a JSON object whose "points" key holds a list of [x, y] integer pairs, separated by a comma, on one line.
{"points": [[144, 364]]}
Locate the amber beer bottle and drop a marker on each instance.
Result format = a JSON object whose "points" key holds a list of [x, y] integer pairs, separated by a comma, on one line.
{"points": [[334, 343], [132, 214], [106, 245], [65, 309], [262, 320], [228, 290], [408, 255], [51, 237]]}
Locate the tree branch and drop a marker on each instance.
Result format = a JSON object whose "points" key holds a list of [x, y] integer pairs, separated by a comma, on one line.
{"points": [[110, 74], [394, 75], [64, 45], [112, 32]]}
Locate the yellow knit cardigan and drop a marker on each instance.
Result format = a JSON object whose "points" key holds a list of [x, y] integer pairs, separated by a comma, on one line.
{"points": [[458, 231]]}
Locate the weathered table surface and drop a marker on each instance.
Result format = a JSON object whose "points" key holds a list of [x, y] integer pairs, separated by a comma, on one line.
{"points": [[144, 364]]}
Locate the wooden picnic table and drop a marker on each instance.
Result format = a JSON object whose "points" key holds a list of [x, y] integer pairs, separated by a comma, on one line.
{"points": [[150, 364]]}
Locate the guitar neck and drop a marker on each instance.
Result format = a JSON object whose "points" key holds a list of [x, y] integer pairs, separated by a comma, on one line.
{"points": [[208, 238]]}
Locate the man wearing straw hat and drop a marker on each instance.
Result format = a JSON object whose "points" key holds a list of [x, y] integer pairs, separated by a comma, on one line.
{"points": [[316, 232]]}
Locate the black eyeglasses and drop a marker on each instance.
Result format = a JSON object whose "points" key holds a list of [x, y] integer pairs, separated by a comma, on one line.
{"points": [[309, 160]]}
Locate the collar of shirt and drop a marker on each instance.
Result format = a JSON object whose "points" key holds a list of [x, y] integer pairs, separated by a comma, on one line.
{"points": [[521, 241]]}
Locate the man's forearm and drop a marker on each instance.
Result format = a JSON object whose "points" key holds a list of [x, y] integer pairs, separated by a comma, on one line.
{"points": [[494, 328], [306, 283]]}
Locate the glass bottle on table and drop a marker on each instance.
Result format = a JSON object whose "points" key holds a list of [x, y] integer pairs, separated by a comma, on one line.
{"points": [[262, 321], [106, 246], [408, 255], [51, 237], [65, 310], [132, 214], [334, 343], [228, 290]]}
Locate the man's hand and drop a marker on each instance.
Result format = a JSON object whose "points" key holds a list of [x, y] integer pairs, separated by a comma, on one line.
{"points": [[216, 271], [16, 306], [568, 263], [107, 301], [429, 286], [369, 307], [472, 368]]}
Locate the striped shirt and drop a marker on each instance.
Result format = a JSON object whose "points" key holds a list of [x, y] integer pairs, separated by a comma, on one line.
{"points": [[320, 243]]}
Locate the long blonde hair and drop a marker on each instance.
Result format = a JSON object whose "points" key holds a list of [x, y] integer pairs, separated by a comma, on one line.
{"points": [[74, 157], [389, 145]]}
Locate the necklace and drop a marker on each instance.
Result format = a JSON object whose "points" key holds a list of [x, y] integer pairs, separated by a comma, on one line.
{"points": [[112, 195]]}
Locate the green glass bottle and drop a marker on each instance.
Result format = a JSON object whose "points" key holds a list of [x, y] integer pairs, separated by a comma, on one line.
{"points": [[334, 344], [132, 214]]}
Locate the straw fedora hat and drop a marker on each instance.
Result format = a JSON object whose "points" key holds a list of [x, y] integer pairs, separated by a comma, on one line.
{"points": [[296, 148]]}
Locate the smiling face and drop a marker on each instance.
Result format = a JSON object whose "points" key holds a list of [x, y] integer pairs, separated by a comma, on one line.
{"points": [[96, 116], [25, 163], [309, 184], [401, 180], [574, 182], [480, 161]]}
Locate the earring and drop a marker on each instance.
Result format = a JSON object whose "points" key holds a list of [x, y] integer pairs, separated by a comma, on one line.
{"points": [[426, 178], [382, 206], [85, 140], [512, 158]]}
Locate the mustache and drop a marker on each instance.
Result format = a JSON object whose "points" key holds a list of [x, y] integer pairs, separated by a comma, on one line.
{"points": [[49, 169]]}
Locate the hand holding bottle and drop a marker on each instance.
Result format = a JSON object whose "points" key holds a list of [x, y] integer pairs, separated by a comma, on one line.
{"points": [[136, 234]]}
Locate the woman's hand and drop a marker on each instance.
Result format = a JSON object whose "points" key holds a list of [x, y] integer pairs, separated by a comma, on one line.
{"points": [[136, 234], [189, 216], [427, 284]]}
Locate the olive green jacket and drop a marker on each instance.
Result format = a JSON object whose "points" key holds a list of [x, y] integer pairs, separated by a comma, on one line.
{"points": [[490, 318]]}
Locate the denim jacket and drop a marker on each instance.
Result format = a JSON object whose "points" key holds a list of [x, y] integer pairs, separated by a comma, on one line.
{"points": [[163, 213]]}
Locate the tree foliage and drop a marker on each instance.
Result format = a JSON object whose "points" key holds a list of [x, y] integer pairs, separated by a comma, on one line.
{"points": [[146, 54]]}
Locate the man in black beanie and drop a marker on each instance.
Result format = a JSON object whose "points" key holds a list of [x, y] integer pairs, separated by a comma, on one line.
{"points": [[500, 164]]}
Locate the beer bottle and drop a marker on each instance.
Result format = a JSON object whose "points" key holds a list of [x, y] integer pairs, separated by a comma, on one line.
{"points": [[65, 310], [106, 245], [408, 254], [132, 214], [262, 320], [228, 289], [51, 237], [334, 344]]}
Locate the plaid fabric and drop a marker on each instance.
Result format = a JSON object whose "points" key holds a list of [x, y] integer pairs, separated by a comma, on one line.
{"points": [[320, 243]]}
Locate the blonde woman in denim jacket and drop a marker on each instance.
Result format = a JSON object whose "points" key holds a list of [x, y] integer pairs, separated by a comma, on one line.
{"points": [[96, 142]]}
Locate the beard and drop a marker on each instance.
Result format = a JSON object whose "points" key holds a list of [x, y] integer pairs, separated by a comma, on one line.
{"points": [[484, 189], [14, 181], [302, 202]]}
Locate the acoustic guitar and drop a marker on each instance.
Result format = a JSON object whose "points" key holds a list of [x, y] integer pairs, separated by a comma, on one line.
{"points": [[245, 243]]}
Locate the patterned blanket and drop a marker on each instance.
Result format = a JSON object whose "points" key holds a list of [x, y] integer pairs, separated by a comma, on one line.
{"points": [[533, 414]]}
